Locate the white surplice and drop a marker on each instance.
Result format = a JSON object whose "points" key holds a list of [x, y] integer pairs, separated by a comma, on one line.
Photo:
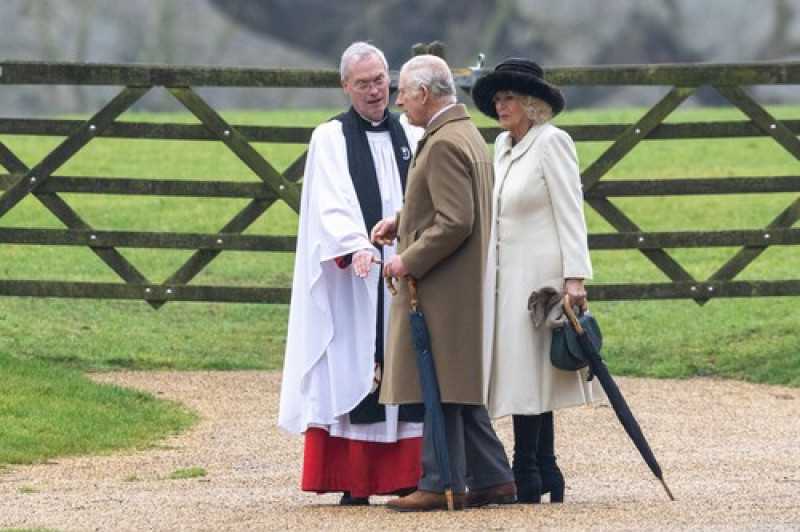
{"points": [[329, 363]]}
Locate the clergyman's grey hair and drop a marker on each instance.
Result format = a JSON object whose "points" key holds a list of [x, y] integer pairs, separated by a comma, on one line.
{"points": [[356, 51]]}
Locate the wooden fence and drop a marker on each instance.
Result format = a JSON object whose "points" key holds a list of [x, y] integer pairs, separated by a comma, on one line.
{"points": [[42, 182]]}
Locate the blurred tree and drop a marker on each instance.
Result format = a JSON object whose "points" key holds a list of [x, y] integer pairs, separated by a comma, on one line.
{"points": [[782, 41], [313, 33], [328, 27]]}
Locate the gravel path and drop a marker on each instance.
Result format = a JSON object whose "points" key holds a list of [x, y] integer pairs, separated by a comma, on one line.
{"points": [[730, 452]]}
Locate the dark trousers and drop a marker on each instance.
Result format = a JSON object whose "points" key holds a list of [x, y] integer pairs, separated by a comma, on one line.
{"points": [[477, 457]]}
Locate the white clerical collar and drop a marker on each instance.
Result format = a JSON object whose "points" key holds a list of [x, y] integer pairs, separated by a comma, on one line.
{"points": [[440, 111], [372, 122]]}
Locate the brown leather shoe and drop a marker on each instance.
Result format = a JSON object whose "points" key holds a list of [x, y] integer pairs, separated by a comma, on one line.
{"points": [[425, 501], [500, 494]]}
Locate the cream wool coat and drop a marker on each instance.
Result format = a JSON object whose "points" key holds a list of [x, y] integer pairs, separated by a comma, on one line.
{"points": [[538, 234]]}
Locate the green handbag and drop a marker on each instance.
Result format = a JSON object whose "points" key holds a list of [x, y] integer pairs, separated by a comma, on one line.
{"points": [[565, 350]]}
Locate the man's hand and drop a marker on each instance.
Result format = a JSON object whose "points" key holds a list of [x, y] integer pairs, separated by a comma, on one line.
{"points": [[384, 232], [363, 260], [395, 267]]}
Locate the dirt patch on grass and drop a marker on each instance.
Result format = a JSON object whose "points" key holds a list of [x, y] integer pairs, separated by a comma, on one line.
{"points": [[729, 451]]}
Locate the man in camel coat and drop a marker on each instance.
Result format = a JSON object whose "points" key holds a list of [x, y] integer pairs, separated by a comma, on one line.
{"points": [[443, 233]]}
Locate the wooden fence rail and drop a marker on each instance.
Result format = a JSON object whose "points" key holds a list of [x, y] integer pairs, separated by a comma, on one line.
{"points": [[40, 181]]}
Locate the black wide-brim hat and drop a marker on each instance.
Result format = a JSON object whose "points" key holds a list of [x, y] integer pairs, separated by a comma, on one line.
{"points": [[518, 75]]}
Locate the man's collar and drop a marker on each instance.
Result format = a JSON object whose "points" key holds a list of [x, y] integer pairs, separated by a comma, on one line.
{"points": [[439, 112]]}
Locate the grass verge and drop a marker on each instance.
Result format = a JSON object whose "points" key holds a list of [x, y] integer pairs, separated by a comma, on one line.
{"points": [[49, 408]]}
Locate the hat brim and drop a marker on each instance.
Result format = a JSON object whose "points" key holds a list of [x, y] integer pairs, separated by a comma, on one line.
{"points": [[487, 85]]}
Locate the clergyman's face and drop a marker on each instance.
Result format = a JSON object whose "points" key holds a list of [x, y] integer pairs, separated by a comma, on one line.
{"points": [[367, 87]]}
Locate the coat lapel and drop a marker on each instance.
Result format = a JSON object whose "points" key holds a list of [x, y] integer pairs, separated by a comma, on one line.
{"points": [[527, 142], [512, 153]]}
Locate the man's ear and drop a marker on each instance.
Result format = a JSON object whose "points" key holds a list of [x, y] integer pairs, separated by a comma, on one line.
{"points": [[426, 92]]}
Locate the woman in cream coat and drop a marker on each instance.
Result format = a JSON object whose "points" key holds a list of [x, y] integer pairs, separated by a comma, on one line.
{"points": [[538, 238]]}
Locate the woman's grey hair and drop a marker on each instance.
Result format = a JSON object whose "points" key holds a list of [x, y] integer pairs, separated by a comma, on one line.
{"points": [[431, 71], [357, 51], [537, 110]]}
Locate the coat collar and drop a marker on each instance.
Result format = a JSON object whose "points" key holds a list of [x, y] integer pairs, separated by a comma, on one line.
{"points": [[525, 144], [454, 114]]}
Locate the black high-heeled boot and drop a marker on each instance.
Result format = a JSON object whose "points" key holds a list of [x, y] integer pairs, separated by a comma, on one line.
{"points": [[551, 476], [523, 463]]}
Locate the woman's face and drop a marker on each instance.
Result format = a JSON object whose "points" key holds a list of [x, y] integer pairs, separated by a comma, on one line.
{"points": [[511, 113]]}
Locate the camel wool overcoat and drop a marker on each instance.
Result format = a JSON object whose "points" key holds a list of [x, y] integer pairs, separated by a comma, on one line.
{"points": [[443, 233]]}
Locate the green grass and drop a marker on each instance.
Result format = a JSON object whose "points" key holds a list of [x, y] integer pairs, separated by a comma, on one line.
{"points": [[49, 408], [89, 335], [191, 472]]}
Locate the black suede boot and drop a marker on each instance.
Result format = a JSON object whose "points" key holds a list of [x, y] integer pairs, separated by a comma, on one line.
{"points": [[551, 476], [523, 464]]}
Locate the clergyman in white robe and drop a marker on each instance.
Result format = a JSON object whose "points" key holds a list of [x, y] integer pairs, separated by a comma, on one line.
{"points": [[329, 366]]}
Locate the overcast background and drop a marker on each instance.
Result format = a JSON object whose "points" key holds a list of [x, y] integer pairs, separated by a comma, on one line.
{"points": [[313, 33]]}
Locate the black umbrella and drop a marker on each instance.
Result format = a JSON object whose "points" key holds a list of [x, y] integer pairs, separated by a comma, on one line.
{"points": [[587, 332], [434, 417]]}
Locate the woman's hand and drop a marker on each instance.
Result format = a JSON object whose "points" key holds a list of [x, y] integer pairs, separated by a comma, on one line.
{"points": [[576, 292]]}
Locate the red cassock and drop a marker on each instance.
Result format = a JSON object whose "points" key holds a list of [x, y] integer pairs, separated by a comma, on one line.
{"points": [[332, 464]]}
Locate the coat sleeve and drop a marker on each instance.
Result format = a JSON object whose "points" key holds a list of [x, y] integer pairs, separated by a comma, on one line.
{"points": [[449, 183], [561, 171]]}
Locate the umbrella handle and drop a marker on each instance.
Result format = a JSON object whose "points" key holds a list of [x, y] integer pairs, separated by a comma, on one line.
{"points": [[412, 290], [390, 286], [571, 314]]}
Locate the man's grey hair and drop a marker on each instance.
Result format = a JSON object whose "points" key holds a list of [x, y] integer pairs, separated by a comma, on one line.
{"points": [[431, 71], [356, 52]]}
